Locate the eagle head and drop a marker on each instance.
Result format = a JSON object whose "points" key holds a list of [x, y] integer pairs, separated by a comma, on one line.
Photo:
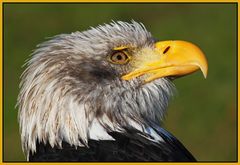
{"points": [[110, 78]]}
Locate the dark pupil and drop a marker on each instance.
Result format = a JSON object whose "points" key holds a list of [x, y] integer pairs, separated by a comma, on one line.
{"points": [[119, 57]]}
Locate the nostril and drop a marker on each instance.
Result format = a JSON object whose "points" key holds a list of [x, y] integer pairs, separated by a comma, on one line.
{"points": [[166, 50]]}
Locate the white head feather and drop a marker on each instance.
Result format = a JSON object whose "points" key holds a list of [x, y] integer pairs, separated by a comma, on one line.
{"points": [[61, 100]]}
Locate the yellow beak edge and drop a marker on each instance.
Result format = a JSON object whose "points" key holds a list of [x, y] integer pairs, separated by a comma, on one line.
{"points": [[174, 58]]}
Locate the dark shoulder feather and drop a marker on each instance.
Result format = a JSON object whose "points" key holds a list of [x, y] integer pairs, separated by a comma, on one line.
{"points": [[131, 146], [178, 149]]}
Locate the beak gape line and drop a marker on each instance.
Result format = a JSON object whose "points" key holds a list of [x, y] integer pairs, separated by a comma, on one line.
{"points": [[174, 59]]}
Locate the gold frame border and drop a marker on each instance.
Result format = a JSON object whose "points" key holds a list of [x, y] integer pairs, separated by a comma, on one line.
{"points": [[113, 1]]}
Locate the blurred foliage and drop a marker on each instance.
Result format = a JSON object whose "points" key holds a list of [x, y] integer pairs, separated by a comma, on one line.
{"points": [[203, 113]]}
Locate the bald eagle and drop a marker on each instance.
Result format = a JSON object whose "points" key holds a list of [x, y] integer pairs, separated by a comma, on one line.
{"points": [[101, 95]]}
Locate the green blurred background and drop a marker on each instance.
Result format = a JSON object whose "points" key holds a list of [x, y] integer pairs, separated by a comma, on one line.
{"points": [[203, 113]]}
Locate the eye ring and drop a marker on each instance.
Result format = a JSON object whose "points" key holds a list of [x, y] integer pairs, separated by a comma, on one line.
{"points": [[119, 57]]}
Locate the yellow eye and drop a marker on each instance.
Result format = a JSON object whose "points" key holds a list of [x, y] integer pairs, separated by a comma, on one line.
{"points": [[119, 58]]}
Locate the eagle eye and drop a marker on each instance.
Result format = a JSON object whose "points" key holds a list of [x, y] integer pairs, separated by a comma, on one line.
{"points": [[119, 57]]}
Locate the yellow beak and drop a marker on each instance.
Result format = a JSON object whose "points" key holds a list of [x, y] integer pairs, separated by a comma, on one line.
{"points": [[171, 59]]}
